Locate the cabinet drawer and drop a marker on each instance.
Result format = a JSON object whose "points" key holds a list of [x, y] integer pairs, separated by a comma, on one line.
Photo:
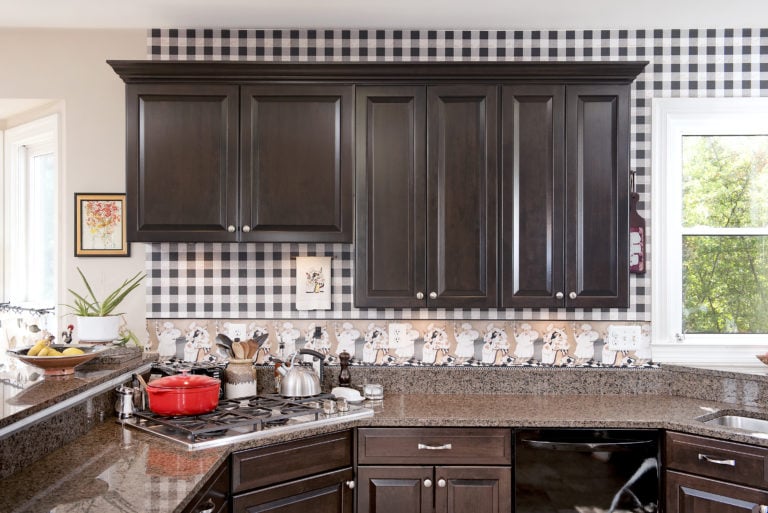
{"points": [[425, 446], [255, 468], [325, 493], [708, 457]]}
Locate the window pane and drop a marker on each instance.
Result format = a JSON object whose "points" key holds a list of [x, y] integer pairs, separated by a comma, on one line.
{"points": [[725, 181], [42, 225], [725, 284]]}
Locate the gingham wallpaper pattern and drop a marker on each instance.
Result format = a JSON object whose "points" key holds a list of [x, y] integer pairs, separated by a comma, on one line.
{"points": [[256, 280]]}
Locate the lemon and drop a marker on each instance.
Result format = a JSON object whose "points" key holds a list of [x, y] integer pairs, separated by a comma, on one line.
{"points": [[72, 351]]}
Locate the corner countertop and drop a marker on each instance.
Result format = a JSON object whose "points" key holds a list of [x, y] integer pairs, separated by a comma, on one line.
{"points": [[117, 469]]}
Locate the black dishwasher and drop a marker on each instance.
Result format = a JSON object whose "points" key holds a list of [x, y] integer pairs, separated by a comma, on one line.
{"points": [[586, 471]]}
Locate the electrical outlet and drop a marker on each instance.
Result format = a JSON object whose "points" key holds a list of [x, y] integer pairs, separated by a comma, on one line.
{"points": [[397, 334], [237, 331], [623, 338]]}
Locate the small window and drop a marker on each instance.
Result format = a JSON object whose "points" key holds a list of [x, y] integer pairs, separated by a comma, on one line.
{"points": [[709, 265], [30, 171]]}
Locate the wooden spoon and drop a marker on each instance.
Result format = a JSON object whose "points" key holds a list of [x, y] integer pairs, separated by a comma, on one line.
{"points": [[252, 347], [237, 349]]}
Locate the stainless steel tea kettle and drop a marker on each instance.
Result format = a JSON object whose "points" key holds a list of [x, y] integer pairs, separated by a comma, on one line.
{"points": [[300, 380]]}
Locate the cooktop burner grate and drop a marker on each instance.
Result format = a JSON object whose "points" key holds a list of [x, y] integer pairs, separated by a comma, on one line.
{"points": [[237, 418]]}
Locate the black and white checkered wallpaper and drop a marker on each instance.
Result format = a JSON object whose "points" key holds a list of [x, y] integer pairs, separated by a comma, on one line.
{"points": [[256, 280]]}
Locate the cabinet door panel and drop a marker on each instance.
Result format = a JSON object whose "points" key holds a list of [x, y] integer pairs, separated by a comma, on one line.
{"points": [[597, 195], [473, 489], [394, 489], [326, 493], [691, 494], [297, 162], [532, 174], [181, 162], [390, 256], [461, 190]]}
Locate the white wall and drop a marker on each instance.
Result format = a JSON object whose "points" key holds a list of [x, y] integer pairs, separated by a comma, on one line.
{"points": [[69, 65]]}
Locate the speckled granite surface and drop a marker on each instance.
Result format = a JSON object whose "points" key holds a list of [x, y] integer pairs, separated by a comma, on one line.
{"points": [[110, 470]]}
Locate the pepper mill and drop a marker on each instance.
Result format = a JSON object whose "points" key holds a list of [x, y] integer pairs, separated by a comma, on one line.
{"points": [[345, 378]]}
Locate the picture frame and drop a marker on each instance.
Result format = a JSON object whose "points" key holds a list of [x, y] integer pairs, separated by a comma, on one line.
{"points": [[100, 229]]}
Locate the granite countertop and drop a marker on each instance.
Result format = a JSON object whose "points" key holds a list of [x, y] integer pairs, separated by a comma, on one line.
{"points": [[115, 469], [24, 391]]}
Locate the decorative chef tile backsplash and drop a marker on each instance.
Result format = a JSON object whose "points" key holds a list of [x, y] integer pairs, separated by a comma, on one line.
{"points": [[417, 343], [208, 281]]}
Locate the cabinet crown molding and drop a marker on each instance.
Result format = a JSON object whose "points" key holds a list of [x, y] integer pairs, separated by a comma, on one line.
{"points": [[616, 72]]}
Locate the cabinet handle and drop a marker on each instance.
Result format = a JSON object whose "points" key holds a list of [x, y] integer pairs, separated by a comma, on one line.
{"points": [[231, 228], [441, 483], [559, 295], [433, 295], [427, 483], [350, 485], [710, 459], [246, 228], [444, 447], [572, 295], [419, 295]]}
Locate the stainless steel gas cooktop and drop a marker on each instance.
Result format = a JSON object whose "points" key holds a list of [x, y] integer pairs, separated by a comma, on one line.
{"points": [[247, 418]]}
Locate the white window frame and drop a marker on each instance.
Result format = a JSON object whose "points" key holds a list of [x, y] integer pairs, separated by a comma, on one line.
{"points": [[672, 119], [40, 135]]}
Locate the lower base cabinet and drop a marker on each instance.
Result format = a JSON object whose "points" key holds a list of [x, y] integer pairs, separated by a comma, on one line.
{"points": [[311, 475], [694, 494], [705, 475], [214, 496], [442, 489], [434, 470], [326, 493]]}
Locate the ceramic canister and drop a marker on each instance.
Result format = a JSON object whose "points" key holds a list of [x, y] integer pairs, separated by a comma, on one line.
{"points": [[240, 377]]}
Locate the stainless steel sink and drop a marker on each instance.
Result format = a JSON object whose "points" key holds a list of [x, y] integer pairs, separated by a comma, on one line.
{"points": [[738, 421]]}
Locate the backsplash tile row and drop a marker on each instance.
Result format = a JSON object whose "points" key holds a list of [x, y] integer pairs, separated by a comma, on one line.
{"points": [[207, 281], [415, 343]]}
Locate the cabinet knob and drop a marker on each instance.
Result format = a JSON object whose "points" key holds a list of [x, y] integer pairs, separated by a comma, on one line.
{"points": [[350, 485], [441, 483], [207, 507], [231, 228], [428, 483], [246, 228], [559, 295], [433, 295], [419, 295], [572, 295]]}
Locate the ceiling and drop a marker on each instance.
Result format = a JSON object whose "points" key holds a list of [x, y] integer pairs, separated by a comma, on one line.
{"points": [[437, 14]]}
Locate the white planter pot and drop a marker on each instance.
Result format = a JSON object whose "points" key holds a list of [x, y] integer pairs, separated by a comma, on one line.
{"points": [[98, 329]]}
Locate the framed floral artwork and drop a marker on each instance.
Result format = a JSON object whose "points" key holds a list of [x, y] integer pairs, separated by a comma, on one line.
{"points": [[100, 225]]}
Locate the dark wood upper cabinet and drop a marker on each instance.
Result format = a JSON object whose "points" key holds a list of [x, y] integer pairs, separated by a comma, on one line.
{"points": [[532, 203], [296, 165], [426, 192], [477, 185], [597, 196], [565, 200], [390, 245], [182, 163]]}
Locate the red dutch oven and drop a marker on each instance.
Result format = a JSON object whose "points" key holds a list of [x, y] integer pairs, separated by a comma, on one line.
{"points": [[183, 394]]}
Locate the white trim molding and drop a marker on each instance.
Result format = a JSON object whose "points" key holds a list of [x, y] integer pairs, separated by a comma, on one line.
{"points": [[671, 119]]}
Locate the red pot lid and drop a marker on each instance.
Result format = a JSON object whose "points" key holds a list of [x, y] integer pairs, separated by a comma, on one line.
{"points": [[184, 380]]}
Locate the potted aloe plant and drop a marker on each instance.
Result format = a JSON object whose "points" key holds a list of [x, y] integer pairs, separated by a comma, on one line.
{"points": [[97, 320]]}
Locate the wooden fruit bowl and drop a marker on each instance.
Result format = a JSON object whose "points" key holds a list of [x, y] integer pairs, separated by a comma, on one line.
{"points": [[57, 365]]}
